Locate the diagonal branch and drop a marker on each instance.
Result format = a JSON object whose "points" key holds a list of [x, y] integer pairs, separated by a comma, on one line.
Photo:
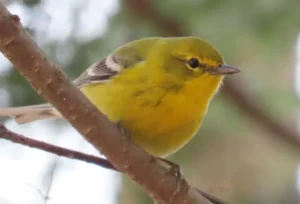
{"points": [[169, 26], [50, 82]]}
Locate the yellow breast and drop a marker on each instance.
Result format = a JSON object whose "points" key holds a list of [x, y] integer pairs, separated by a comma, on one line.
{"points": [[160, 119]]}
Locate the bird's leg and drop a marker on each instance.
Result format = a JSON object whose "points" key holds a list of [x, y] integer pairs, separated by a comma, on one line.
{"points": [[174, 168]]}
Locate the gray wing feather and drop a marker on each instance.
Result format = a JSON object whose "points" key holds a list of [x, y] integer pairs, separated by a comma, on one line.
{"points": [[103, 70], [97, 73]]}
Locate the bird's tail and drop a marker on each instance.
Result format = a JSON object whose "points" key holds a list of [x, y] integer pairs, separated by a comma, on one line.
{"points": [[28, 114]]}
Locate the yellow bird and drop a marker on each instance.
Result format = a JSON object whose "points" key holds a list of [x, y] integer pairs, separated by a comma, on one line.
{"points": [[159, 89]]}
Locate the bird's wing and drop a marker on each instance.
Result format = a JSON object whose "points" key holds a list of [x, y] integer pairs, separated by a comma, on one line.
{"points": [[100, 72], [125, 57]]}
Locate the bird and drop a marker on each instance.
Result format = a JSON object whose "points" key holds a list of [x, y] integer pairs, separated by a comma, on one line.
{"points": [[158, 88]]}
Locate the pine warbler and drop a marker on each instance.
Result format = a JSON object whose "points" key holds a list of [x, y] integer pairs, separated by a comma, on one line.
{"points": [[157, 88]]}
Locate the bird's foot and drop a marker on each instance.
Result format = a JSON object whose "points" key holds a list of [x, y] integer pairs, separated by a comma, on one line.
{"points": [[174, 168]]}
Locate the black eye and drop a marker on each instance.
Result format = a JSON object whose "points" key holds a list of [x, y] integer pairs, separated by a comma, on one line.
{"points": [[193, 63]]}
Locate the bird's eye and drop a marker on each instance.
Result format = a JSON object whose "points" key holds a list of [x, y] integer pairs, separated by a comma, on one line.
{"points": [[193, 63]]}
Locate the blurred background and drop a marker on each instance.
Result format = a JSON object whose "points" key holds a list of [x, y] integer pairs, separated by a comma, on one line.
{"points": [[248, 148]]}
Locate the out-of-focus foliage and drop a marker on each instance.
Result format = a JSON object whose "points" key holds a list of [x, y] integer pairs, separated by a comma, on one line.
{"points": [[230, 156], [31, 2]]}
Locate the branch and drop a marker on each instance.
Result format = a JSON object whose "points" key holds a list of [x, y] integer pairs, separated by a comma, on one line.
{"points": [[60, 151], [18, 46], [20, 139], [168, 26]]}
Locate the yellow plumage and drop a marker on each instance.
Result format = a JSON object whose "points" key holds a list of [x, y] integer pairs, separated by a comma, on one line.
{"points": [[157, 88], [160, 119]]}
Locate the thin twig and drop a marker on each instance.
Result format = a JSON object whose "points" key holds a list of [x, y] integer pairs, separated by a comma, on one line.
{"points": [[60, 151]]}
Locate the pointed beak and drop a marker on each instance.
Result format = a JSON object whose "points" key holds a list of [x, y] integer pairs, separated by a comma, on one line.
{"points": [[224, 69]]}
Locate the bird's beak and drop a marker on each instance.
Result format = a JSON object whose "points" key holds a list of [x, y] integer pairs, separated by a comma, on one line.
{"points": [[224, 69]]}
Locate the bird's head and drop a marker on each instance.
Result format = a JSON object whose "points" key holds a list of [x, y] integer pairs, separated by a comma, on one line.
{"points": [[190, 57]]}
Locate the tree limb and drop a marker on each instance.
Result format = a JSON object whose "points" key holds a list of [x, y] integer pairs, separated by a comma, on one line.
{"points": [[168, 26], [18, 46]]}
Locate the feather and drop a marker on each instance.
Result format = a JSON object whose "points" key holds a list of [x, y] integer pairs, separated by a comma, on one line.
{"points": [[27, 114]]}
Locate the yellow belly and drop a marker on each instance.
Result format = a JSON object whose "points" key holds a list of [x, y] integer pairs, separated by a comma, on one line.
{"points": [[160, 121]]}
